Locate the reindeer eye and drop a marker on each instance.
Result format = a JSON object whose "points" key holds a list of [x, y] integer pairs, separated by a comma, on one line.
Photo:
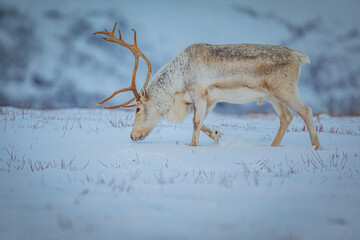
{"points": [[137, 110]]}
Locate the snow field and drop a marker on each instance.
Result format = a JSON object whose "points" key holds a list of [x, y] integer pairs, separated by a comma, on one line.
{"points": [[76, 174]]}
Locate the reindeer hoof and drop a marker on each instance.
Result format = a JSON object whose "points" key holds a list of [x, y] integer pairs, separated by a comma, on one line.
{"points": [[318, 147], [217, 136]]}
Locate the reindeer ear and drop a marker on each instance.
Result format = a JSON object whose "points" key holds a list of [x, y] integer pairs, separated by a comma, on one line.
{"points": [[144, 95]]}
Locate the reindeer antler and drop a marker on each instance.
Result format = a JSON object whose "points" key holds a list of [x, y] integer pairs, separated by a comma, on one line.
{"points": [[137, 53]]}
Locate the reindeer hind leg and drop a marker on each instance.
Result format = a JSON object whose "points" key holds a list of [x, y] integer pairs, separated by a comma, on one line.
{"points": [[305, 112], [285, 117]]}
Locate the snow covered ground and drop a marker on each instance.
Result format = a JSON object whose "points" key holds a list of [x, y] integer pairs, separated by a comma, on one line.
{"points": [[75, 174]]}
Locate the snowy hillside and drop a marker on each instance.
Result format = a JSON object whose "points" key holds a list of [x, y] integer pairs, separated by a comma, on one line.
{"points": [[75, 174], [48, 53]]}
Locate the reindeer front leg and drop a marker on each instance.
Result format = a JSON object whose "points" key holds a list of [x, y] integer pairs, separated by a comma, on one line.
{"points": [[199, 115], [211, 133]]}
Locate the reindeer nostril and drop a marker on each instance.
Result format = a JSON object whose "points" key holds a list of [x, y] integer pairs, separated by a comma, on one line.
{"points": [[131, 137]]}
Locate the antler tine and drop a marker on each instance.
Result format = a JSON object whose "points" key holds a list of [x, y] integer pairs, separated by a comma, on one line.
{"points": [[120, 35], [123, 105], [135, 42], [113, 31], [119, 106], [112, 95]]}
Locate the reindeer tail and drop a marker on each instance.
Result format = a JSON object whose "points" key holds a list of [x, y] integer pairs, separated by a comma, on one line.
{"points": [[302, 57]]}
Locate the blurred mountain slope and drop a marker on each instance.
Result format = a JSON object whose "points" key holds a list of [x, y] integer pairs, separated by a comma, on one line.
{"points": [[49, 57]]}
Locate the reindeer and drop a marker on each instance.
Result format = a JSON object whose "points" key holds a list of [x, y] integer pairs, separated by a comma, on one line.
{"points": [[204, 74]]}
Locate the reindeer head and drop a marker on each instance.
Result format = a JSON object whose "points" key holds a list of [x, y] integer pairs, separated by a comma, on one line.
{"points": [[145, 116]]}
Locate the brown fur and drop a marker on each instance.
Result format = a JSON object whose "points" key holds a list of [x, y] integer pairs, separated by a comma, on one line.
{"points": [[253, 58], [236, 52], [264, 83]]}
